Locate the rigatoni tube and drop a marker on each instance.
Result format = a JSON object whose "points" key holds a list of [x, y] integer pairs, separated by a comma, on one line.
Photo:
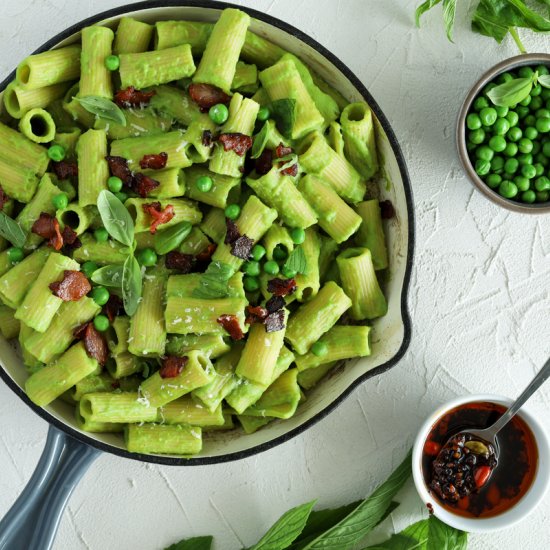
{"points": [[18, 100], [222, 186], [93, 170], [9, 325], [17, 149], [132, 36], [184, 211], [95, 78], [371, 232], [37, 125], [103, 253], [187, 411], [212, 344], [18, 181], [117, 407], [163, 439]]}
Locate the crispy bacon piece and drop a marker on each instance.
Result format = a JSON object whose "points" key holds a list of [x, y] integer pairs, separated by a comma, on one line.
{"points": [[3, 198], [207, 253], [275, 303], [206, 96], [387, 211], [70, 239], [65, 169], [281, 287], [231, 324], [291, 170], [94, 342], [119, 168], [113, 307], [130, 97], [240, 143], [72, 287], [275, 321], [282, 151], [264, 162], [47, 227], [159, 215], [181, 262], [242, 247], [172, 366], [143, 184], [79, 331], [207, 138], [232, 231], [154, 162], [255, 314]]}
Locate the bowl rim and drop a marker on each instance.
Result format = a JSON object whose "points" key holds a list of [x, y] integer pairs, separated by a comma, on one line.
{"points": [[515, 514], [460, 135], [405, 316]]}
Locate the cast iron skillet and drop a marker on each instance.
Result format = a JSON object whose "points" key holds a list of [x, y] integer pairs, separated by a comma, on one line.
{"points": [[32, 521]]}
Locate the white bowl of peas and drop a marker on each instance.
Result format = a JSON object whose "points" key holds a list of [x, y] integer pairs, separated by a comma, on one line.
{"points": [[503, 133]]}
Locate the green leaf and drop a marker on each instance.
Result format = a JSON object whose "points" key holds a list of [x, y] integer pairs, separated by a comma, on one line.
{"points": [[544, 79], [115, 218], [512, 92], [423, 8], [131, 285], [351, 530], [286, 529], [214, 281], [283, 112], [12, 231], [196, 543], [414, 537], [169, 239], [110, 275], [260, 141], [103, 108], [443, 537], [297, 261], [449, 12]]}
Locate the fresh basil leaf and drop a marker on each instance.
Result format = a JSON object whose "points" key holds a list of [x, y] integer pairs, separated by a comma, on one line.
{"points": [[544, 79], [131, 285], [351, 530], [286, 529], [196, 543], [260, 141], [443, 537], [413, 537], [214, 281], [110, 275], [512, 92], [449, 12], [297, 261], [169, 239], [103, 108], [423, 8], [283, 112], [115, 218], [12, 231]]}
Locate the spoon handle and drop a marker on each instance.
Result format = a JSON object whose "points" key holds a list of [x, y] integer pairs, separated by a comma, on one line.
{"points": [[535, 384]]}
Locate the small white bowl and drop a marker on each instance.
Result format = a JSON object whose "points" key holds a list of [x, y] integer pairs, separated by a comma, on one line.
{"points": [[521, 509]]}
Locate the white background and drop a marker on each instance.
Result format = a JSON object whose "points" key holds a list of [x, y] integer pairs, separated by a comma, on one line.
{"points": [[479, 302]]}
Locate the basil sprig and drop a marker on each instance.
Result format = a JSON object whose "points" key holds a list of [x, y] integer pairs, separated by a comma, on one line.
{"points": [[214, 282], [514, 91], [169, 239], [110, 275], [283, 112], [131, 284], [196, 543], [103, 108], [12, 231], [115, 218], [260, 141], [297, 261]]}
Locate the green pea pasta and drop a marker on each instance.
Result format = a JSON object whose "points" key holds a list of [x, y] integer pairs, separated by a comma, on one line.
{"points": [[170, 263]]}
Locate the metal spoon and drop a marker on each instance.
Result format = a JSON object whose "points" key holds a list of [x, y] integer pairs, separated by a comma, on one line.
{"points": [[489, 434]]}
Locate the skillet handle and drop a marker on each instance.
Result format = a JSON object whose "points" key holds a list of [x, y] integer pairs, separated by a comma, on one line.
{"points": [[32, 521]]}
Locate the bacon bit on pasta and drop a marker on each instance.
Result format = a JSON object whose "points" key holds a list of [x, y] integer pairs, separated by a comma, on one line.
{"points": [[232, 231], [172, 366], [282, 151], [130, 97], [281, 287], [275, 321], [70, 239], [255, 314], [119, 168], [207, 253], [240, 143], [143, 184], [275, 303], [207, 138], [47, 227], [264, 162], [3, 198], [65, 169], [154, 162], [113, 307], [231, 324], [242, 247], [387, 211], [206, 96], [72, 287], [181, 262], [94, 342], [160, 216]]}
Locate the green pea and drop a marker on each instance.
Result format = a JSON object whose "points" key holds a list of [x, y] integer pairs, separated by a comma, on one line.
{"points": [[470, 147], [545, 94], [88, 268], [218, 113], [477, 136], [204, 184], [101, 235], [101, 323], [121, 196], [114, 184], [251, 283], [542, 160], [530, 133], [511, 166], [100, 295], [252, 268], [57, 153], [528, 196], [542, 69], [493, 180], [289, 273], [522, 111], [508, 189], [60, 201], [271, 267], [298, 235], [522, 183], [481, 103], [542, 184], [258, 252], [536, 91], [112, 62], [482, 167], [147, 257], [526, 102], [280, 253], [512, 117], [320, 349], [511, 150], [232, 211], [504, 77], [489, 87], [536, 147], [543, 113], [485, 153], [501, 127], [529, 120], [264, 114], [488, 116], [542, 196], [543, 125], [536, 104], [497, 164], [514, 134], [539, 169], [497, 144], [501, 110], [525, 159], [473, 122], [525, 145], [528, 171], [487, 129], [15, 254], [546, 149], [525, 72]]}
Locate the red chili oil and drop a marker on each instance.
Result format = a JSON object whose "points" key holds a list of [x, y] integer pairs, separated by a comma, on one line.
{"points": [[517, 460]]}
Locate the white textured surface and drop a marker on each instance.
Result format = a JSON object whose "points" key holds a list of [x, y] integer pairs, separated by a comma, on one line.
{"points": [[479, 302]]}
